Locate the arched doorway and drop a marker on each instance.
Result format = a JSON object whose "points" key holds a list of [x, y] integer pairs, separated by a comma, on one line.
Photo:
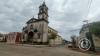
{"points": [[30, 37]]}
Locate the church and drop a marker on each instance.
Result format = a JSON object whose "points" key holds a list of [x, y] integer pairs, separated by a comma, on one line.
{"points": [[37, 30]]}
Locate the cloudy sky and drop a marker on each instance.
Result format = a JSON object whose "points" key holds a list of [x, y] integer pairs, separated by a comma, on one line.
{"points": [[66, 16]]}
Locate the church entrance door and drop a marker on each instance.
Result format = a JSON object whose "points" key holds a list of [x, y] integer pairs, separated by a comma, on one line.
{"points": [[30, 37]]}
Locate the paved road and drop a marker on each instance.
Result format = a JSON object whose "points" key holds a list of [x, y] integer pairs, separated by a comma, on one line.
{"points": [[27, 50]]}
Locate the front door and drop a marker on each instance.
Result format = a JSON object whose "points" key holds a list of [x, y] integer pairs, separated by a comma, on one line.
{"points": [[30, 37]]}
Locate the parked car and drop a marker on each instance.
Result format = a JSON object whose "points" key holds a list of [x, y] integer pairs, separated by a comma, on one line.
{"points": [[69, 45]]}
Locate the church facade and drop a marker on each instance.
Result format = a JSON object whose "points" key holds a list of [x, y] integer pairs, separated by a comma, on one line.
{"points": [[37, 30]]}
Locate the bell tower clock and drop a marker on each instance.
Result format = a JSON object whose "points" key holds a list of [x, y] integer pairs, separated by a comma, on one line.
{"points": [[43, 12]]}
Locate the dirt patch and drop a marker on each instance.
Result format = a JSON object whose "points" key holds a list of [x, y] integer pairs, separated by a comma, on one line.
{"points": [[87, 52]]}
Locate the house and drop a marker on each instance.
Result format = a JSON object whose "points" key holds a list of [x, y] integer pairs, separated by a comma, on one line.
{"points": [[13, 37]]}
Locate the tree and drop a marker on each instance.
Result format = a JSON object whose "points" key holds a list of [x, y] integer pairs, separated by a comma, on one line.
{"points": [[73, 40], [52, 35], [95, 28]]}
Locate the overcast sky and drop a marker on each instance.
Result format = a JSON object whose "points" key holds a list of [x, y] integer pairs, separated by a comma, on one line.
{"points": [[65, 16]]}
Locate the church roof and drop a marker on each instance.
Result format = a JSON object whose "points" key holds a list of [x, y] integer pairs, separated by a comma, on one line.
{"points": [[35, 20], [52, 29], [31, 20]]}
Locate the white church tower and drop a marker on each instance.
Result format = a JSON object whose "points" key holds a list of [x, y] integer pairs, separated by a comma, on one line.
{"points": [[43, 15], [43, 12]]}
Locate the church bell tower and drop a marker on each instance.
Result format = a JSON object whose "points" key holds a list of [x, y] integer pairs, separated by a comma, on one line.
{"points": [[43, 17], [43, 12]]}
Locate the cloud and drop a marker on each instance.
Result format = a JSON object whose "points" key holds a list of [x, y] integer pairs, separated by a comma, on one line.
{"points": [[65, 16]]}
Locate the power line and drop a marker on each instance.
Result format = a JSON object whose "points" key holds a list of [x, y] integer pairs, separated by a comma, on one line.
{"points": [[88, 11], [90, 3], [89, 6]]}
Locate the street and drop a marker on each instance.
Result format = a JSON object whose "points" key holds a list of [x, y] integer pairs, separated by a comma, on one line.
{"points": [[29, 50]]}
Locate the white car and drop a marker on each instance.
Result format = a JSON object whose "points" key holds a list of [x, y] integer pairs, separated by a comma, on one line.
{"points": [[69, 45]]}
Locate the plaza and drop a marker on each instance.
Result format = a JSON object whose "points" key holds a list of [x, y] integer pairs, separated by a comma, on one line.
{"points": [[35, 50]]}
